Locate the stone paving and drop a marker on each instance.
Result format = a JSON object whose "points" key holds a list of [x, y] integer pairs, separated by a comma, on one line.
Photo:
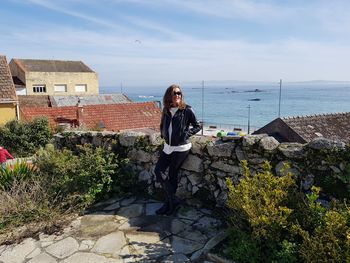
{"points": [[124, 230]]}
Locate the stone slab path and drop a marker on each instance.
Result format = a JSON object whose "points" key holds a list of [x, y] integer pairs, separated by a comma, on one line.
{"points": [[121, 231]]}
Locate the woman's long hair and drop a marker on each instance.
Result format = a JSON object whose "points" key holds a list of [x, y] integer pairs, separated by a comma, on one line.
{"points": [[168, 98]]}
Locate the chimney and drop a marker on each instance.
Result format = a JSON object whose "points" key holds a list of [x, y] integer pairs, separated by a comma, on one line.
{"points": [[80, 111]]}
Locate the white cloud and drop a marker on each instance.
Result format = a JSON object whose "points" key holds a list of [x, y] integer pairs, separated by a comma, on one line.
{"points": [[121, 59], [118, 58], [90, 18], [140, 22], [228, 9]]}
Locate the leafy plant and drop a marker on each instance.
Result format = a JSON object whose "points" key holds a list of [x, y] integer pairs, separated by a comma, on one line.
{"points": [[329, 238], [24, 138], [23, 196], [79, 180], [260, 216], [272, 222], [260, 200], [19, 171], [241, 244], [25, 201]]}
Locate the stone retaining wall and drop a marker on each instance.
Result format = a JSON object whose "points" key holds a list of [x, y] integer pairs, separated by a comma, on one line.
{"points": [[211, 161]]}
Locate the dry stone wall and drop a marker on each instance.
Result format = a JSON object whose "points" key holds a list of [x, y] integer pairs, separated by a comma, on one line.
{"points": [[211, 161]]}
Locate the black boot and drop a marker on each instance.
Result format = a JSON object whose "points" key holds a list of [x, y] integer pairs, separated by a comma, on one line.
{"points": [[174, 204], [163, 210]]}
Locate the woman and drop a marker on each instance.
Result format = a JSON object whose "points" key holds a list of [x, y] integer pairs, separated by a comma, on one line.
{"points": [[175, 130], [4, 154]]}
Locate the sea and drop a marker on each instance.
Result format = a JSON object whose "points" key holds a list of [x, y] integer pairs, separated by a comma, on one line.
{"points": [[251, 106]]}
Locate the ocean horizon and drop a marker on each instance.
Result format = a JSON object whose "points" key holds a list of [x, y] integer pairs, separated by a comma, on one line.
{"points": [[230, 106]]}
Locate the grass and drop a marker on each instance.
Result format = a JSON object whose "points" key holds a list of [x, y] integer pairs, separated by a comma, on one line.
{"points": [[25, 210]]}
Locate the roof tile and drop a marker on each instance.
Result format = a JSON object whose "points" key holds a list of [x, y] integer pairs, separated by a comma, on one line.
{"points": [[115, 117], [38, 65], [334, 126], [7, 88]]}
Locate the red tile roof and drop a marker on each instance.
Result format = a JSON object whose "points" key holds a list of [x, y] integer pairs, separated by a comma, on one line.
{"points": [[114, 117], [7, 88]]}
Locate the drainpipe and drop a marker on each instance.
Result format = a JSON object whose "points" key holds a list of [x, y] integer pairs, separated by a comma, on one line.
{"points": [[17, 111]]}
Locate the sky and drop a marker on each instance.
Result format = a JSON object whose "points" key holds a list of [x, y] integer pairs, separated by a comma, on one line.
{"points": [[160, 42]]}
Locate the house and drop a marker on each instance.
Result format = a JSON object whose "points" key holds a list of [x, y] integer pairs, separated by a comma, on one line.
{"points": [[8, 97], [53, 77], [303, 129], [110, 117]]}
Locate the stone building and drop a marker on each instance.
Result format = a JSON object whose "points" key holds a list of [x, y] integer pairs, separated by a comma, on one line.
{"points": [[53, 77], [8, 97]]}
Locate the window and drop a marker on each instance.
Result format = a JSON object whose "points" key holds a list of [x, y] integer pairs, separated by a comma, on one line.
{"points": [[60, 88], [39, 88], [81, 88]]}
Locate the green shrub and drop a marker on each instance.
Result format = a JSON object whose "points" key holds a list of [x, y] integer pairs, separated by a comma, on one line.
{"points": [[79, 180], [19, 171], [23, 196], [59, 183], [328, 240], [260, 216], [273, 222], [241, 244], [25, 202], [24, 138], [259, 201]]}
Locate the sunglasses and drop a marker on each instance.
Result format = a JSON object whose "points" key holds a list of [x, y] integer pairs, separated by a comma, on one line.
{"points": [[177, 93]]}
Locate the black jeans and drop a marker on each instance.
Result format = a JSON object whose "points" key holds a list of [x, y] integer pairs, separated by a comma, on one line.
{"points": [[174, 162]]}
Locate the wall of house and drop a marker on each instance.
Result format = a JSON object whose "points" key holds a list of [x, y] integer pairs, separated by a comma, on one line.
{"points": [[7, 112], [17, 71], [68, 78], [211, 161], [52, 78]]}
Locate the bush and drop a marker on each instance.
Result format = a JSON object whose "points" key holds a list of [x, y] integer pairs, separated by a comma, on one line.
{"points": [[60, 183], [23, 196], [273, 222], [328, 240], [79, 180], [24, 138], [241, 244], [20, 171], [25, 202], [260, 216], [259, 201]]}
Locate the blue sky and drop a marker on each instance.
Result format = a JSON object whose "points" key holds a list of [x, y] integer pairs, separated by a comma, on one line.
{"points": [[158, 42]]}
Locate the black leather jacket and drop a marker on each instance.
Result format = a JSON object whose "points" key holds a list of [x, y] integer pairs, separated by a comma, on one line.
{"points": [[181, 122]]}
